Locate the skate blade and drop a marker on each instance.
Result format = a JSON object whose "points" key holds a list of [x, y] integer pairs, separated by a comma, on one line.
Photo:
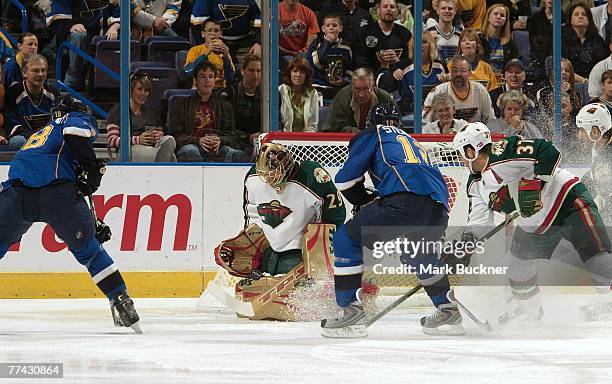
{"points": [[445, 330], [594, 316], [350, 332], [136, 328]]}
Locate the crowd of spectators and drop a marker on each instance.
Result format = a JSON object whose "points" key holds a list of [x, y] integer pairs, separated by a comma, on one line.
{"points": [[337, 59]]}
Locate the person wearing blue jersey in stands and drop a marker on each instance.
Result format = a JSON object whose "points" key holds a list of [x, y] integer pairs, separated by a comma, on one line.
{"points": [[47, 181], [410, 201]]}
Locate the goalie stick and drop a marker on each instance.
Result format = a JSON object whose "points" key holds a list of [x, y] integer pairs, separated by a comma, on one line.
{"points": [[418, 287]]}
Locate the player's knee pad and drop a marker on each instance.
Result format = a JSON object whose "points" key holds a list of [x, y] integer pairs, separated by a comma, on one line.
{"points": [[600, 267], [87, 252], [347, 252]]}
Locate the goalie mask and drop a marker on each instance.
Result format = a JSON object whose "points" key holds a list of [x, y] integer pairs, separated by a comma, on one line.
{"points": [[472, 135], [274, 165], [595, 119]]}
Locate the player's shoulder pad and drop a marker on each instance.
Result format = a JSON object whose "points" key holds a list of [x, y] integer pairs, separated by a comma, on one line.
{"points": [[361, 135], [503, 148], [473, 178], [77, 124], [252, 172], [314, 172]]}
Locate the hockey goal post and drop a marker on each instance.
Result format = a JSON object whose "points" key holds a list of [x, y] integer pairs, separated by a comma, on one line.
{"points": [[331, 151]]}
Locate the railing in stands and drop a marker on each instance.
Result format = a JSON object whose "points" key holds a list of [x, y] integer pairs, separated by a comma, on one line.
{"points": [[61, 85], [10, 37], [24, 15]]}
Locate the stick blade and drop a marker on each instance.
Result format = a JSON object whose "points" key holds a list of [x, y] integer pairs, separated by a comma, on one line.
{"points": [[240, 307]]}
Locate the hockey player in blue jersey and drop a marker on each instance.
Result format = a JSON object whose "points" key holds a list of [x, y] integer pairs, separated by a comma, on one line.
{"points": [[412, 203], [48, 179]]}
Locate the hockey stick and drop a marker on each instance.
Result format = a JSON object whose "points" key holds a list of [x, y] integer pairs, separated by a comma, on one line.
{"points": [[451, 296], [418, 287]]}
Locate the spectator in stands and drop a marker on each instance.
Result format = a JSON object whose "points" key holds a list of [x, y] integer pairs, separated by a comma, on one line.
{"points": [[213, 50], [470, 47], [574, 151], [606, 85], [513, 105], [602, 18], [331, 58], [76, 22], [240, 22], [26, 47], [472, 13], [445, 32], [472, 101], [568, 85], [299, 110], [354, 19], [443, 106], [148, 142], [245, 98], [598, 70], [433, 72], [155, 17], [582, 45], [350, 107], [203, 124], [516, 8], [540, 30], [497, 38], [29, 103], [386, 42], [514, 79], [298, 27]]}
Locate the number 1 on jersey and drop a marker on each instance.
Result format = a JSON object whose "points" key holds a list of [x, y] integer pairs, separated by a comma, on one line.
{"points": [[411, 157]]}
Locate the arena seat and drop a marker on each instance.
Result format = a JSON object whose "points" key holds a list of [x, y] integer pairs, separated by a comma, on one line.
{"points": [[165, 51], [107, 53], [162, 78]]}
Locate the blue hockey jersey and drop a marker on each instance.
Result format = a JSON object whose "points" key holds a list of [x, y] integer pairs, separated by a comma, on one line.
{"points": [[45, 157], [237, 17], [395, 161]]}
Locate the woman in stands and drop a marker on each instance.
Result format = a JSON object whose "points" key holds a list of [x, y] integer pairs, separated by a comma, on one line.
{"points": [[470, 47], [496, 38], [516, 8], [149, 144], [568, 85], [433, 72], [26, 47], [512, 105], [582, 44], [299, 111]]}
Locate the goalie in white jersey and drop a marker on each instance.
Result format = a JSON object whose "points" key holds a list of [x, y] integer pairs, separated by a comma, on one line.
{"points": [[282, 197], [522, 175]]}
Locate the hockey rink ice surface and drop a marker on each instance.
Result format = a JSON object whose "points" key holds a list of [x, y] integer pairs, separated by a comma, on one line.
{"points": [[180, 345]]}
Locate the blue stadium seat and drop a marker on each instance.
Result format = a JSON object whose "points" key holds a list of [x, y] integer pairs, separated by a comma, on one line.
{"points": [[165, 51], [148, 64], [179, 60], [107, 52], [323, 111], [162, 78], [172, 98]]}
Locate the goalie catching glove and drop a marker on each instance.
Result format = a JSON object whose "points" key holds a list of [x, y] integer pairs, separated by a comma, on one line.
{"points": [[89, 176], [530, 196]]}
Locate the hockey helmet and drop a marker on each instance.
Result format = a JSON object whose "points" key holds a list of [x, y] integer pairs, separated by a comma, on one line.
{"points": [[472, 135], [384, 114], [66, 104], [274, 164], [595, 119]]}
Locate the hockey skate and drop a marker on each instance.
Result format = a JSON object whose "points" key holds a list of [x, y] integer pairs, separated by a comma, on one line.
{"points": [[446, 320], [528, 311], [351, 324], [124, 313], [599, 308]]}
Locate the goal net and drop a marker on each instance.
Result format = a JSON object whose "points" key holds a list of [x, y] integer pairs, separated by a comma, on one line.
{"points": [[331, 151]]}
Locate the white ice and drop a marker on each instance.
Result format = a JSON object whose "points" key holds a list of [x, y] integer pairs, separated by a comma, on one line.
{"points": [[180, 345]]}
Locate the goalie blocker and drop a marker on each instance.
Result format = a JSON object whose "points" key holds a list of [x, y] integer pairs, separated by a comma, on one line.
{"points": [[245, 253]]}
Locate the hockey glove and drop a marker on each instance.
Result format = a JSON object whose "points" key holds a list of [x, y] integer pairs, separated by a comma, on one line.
{"points": [[501, 201], [103, 232], [530, 196], [89, 176], [462, 251]]}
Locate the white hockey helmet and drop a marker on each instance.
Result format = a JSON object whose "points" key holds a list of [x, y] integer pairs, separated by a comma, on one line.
{"points": [[473, 135], [595, 119]]}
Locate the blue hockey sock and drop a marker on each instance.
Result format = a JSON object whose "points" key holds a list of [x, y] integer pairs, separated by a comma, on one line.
{"points": [[437, 292], [101, 268], [3, 249]]}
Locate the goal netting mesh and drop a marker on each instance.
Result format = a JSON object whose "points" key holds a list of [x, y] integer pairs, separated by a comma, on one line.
{"points": [[331, 151]]}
